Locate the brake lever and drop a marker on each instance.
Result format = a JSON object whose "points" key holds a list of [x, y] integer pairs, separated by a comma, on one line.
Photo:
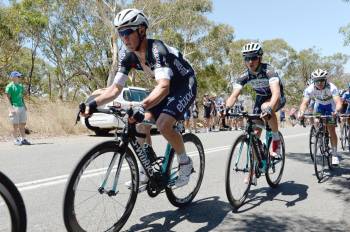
{"points": [[82, 107]]}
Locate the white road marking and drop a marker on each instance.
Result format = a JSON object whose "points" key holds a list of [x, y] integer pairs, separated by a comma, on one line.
{"points": [[63, 178]]}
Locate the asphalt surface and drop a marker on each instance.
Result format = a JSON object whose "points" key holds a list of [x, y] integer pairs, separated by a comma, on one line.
{"points": [[300, 203]]}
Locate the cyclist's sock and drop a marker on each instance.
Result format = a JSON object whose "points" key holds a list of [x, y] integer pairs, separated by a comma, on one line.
{"points": [[334, 150], [275, 135], [183, 158]]}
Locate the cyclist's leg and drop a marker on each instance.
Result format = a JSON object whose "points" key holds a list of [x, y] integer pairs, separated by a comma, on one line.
{"points": [[172, 111], [273, 123], [331, 130]]}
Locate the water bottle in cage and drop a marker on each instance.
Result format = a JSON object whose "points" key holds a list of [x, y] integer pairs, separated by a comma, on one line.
{"points": [[262, 151]]}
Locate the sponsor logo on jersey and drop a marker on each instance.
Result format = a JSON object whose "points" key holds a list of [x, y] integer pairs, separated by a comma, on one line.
{"points": [[183, 101], [182, 70], [156, 56]]}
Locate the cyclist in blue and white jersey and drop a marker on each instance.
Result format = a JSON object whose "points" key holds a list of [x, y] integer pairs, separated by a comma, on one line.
{"points": [[345, 97], [174, 93], [327, 102], [267, 85]]}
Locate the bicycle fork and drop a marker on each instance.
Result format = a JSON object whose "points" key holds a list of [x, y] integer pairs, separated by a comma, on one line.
{"points": [[114, 189]]}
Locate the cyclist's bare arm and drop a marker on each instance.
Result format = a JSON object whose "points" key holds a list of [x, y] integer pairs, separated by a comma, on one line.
{"points": [[276, 93], [303, 105], [158, 93], [231, 100], [108, 95], [338, 103]]}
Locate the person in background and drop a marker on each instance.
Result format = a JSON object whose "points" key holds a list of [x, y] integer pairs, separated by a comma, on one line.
{"points": [[187, 117], [207, 105], [282, 117], [17, 108], [195, 112]]}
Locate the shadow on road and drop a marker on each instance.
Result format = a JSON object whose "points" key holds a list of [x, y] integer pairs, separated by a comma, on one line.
{"points": [[261, 223], [260, 195], [210, 211]]}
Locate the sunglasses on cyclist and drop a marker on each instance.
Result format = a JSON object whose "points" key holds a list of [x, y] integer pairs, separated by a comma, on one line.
{"points": [[320, 81], [126, 31], [253, 58]]}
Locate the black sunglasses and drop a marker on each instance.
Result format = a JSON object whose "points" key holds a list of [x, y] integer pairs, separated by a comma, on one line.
{"points": [[253, 58], [320, 81], [126, 31]]}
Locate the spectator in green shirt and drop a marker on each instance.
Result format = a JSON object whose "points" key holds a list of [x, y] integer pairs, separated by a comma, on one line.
{"points": [[17, 108]]}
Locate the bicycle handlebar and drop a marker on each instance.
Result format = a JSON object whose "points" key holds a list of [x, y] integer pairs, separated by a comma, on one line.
{"points": [[117, 112]]}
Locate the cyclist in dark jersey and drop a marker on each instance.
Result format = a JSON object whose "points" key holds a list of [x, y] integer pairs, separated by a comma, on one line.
{"points": [[176, 86], [267, 85]]}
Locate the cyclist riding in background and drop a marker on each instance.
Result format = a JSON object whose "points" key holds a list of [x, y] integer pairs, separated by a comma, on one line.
{"points": [[174, 93], [345, 97], [327, 102], [267, 85]]}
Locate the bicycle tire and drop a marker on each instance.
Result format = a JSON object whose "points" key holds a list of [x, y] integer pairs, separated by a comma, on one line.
{"points": [[319, 157], [311, 142], [172, 193], [15, 205], [271, 162], [72, 223], [237, 202]]}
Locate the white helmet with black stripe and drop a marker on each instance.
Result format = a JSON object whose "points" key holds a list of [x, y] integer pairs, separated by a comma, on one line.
{"points": [[319, 74], [252, 49], [129, 18]]}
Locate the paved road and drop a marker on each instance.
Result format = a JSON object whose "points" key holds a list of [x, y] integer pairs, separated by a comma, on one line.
{"points": [[298, 204]]}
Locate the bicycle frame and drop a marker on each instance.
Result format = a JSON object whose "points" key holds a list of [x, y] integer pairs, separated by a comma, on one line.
{"points": [[128, 136], [253, 141]]}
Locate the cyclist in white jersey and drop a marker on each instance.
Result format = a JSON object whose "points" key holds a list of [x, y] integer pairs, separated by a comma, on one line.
{"points": [[327, 102]]}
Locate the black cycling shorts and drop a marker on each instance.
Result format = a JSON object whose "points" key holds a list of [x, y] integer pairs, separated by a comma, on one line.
{"points": [[177, 103]]}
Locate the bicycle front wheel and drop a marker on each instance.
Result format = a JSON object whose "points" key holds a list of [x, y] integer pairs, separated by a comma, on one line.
{"points": [[181, 197], [239, 171], [319, 157], [91, 203], [13, 215], [312, 139], [275, 165]]}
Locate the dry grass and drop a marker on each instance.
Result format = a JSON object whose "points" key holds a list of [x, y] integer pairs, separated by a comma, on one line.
{"points": [[45, 119]]}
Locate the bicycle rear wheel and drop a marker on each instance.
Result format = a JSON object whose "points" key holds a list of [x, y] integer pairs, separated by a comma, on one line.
{"points": [[88, 207], [13, 215], [319, 157], [275, 165], [312, 140], [239, 170], [181, 197]]}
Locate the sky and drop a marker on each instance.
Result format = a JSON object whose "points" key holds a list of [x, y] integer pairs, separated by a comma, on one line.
{"points": [[301, 23]]}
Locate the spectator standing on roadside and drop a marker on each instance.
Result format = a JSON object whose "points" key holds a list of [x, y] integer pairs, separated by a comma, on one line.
{"points": [[17, 108], [282, 117], [207, 104]]}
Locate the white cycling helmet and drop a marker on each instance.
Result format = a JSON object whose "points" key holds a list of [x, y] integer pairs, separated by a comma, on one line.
{"points": [[252, 49], [319, 74], [129, 18]]}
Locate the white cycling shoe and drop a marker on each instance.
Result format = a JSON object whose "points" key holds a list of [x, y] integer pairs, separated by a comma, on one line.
{"points": [[185, 171], [335, 160]]}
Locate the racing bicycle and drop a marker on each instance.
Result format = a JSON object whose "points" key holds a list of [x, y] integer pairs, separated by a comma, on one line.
{"points": [[250, 157], [96, 196]]}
